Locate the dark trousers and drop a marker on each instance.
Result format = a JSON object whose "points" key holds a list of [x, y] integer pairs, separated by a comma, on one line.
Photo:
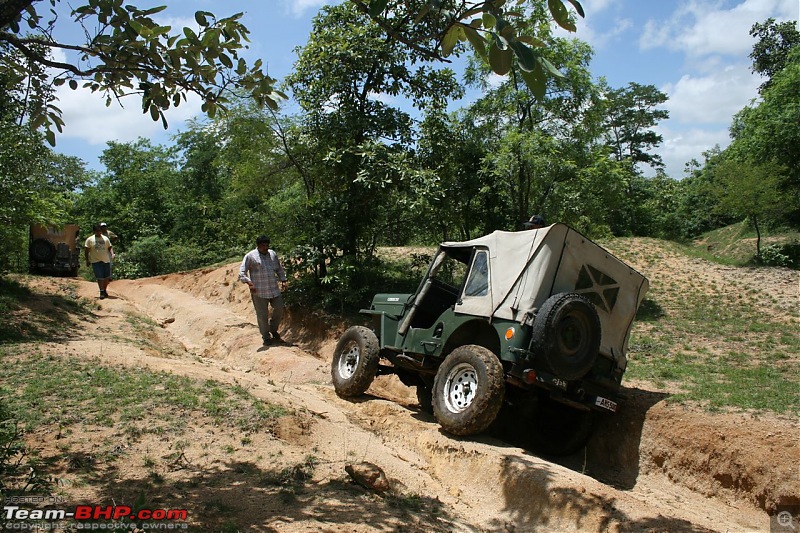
{"points": [[267, 324]]}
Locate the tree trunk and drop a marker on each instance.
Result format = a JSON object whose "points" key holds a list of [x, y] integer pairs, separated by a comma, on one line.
{"points": [[758, 238]]}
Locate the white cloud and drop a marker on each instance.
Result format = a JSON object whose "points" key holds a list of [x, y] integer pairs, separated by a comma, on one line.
{"points": [[602, 37], [384, 98], [177, 23], [702, 27], [680, 147], [300, 8], [713, 37], [87, 118], [711, 99]]}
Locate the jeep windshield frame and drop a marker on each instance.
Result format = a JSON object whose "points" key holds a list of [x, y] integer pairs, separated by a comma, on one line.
{"points": [[451, 274]]}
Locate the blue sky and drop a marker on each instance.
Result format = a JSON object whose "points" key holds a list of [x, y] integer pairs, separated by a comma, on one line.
{"points": [[696, 51]]}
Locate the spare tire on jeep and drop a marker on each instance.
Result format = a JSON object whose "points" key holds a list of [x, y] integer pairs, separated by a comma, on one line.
{"points": [[42, 250], [566, 335]]}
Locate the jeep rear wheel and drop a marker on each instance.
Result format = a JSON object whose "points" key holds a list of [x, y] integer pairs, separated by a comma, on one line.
{"points": [[468, 390], [566, 335], [559, 429], [355, 362]]}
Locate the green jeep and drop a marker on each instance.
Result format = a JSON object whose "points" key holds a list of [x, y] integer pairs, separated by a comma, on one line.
{"points": [[535, 322]]}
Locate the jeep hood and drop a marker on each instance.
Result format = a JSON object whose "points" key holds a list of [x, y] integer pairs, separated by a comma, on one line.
{"points": [[527, 267]]}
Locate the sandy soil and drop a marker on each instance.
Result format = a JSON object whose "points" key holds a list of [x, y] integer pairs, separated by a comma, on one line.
{"points": [[654, 466]]}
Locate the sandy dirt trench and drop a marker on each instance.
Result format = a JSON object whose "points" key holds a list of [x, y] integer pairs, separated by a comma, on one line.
{"points": [[653, 467]]}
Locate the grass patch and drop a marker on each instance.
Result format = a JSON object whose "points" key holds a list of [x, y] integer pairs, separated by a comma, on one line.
{"points": [[724, 342], [45, 389]]}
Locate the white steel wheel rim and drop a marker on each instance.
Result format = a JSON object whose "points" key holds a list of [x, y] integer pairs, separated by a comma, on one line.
{"points": [[348, 362], [460, 388]]}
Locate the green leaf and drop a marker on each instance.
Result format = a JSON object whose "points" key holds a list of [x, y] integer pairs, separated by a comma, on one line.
{"points": [[153, 112], [525, 55], [561, 14], [175, 58], [73, 84], [477, 41], [153, 10], [225, 60], [191, 35], [500, 60], [533, 41], [376, 7], [536, 82], [450, 40], [489, 21], [38, 120], [200, 18], [136, 26], [160, 30], [51, 137], [549, 67], [578, 7]]}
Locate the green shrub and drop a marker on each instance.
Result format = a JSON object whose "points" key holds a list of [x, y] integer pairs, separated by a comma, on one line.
{"points": [[153, 256], [782, 255], [18, 473], [348, 284]]}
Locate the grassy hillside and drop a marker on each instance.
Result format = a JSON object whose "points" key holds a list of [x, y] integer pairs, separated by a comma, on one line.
{"points": [[722, 336], [736, 245]]}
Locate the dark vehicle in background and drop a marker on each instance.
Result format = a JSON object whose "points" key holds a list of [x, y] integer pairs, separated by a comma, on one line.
{"points": [[526, 331], [54, 249]]}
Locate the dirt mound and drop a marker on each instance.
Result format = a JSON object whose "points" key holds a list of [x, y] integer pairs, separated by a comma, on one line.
{"points": [[655, 466]]}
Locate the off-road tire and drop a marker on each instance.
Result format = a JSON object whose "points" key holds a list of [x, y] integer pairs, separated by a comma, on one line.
{"points": [[566, 335], [557, 429], [42, 250], [468, 390], [355, 362]]}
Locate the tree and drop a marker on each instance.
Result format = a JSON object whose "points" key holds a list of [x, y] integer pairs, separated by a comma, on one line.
{"points": [[125, 51], [631, 113], [749, 189], [536, 145], [135, 194], [767, 132], [346, 79], [771, 51], [36, 185]]}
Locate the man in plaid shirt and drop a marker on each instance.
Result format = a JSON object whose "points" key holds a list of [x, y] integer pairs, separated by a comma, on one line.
{"points": [[262, 271]]}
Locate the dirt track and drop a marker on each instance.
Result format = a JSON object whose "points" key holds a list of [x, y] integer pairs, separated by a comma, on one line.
{"points": [[653, 467]]}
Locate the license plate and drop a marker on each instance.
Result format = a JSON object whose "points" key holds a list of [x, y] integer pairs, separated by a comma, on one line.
{"points": [[605, 403]]}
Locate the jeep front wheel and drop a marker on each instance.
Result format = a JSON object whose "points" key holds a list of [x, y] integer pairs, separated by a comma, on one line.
{"points": [[468, 390], [355, 362]]}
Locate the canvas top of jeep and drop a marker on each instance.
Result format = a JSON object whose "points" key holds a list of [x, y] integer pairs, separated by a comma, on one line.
{"points": [[525, 268]]}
